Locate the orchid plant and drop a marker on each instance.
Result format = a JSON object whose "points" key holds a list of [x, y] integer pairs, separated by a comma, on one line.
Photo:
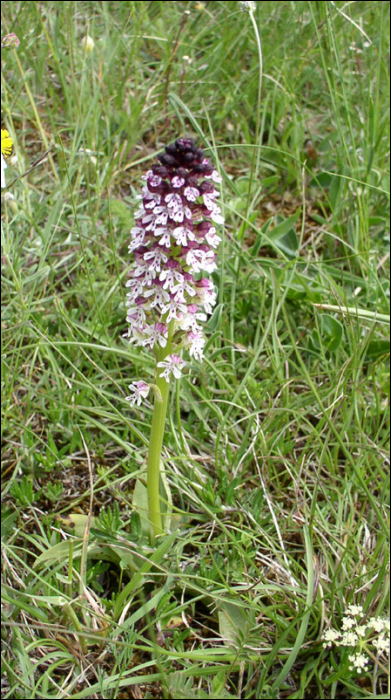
{"points": [[174, 241]]}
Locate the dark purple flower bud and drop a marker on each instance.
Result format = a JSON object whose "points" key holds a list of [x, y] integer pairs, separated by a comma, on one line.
{"points": [[171, 149], [204, 284], [140, 301], [189, 157], [160, 170], [185, 144], [158, 283], [140, 251], [204, 227], [204, 211], [192, 181], [182, 172], [173, 264], [206, 187], [163, 189], [203, 169], [165, 159]]}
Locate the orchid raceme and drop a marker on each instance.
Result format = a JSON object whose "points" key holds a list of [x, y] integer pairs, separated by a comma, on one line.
{"points": [[174, 242]]}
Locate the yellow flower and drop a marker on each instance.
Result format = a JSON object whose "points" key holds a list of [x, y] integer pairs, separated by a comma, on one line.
{"points": [[6, 143], [88, 44]]}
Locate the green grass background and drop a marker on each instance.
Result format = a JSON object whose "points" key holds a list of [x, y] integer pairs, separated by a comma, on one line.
{"points": [[276, 450]]}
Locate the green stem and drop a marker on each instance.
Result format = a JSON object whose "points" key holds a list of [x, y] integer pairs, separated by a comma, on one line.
{"points": [[156, 441], [155, 449], [256, 151], [69, 611]]}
